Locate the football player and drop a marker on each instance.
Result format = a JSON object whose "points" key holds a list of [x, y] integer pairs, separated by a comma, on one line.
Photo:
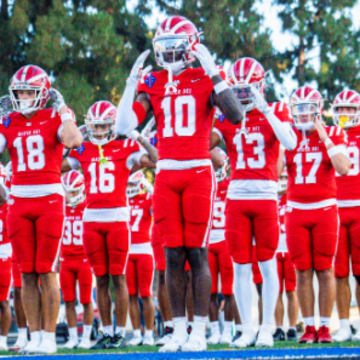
{"points": [[286, 272], [311, 215], [106, 163], [74, 265], [220, 261], [35, 137], [140, 265], [251, 205], [346, 112], [182, 100]]}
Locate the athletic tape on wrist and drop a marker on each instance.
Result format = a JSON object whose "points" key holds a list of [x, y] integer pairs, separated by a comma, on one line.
{"points": [[220, 87], [327, 142]]}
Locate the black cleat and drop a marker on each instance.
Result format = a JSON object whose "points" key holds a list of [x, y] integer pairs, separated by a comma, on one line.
{"points": [[102, 343], [237, 335], [291, 335], [117, 342], [279, 335]]}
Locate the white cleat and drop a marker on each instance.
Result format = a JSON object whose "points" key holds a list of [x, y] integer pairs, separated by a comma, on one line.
{"points": [[246, 339], [226, 338], [343, 334], [32, 347], [47, 347], [148, 340], [84, 344], [163, 340], [356, 337], [173, 345], [19, 344], [214, 339], [3, 347], [265, 337], [135, 341], [71, 344], [195, 343]]}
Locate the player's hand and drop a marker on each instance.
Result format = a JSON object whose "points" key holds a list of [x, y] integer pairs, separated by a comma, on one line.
{"points": [[206, 60], [84, 132], [320, 129], [137, 70], [259, 100], [133, 135], [5, 105], [59, 102]]}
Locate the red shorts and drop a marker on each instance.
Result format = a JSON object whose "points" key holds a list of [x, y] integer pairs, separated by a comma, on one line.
{"points": [[349, 242], [160, 260], [183, 203], [257, 277], [139, 274], [246, 219], [35, 228], [107, 245], [16, 274], [220, 263], [286, 272], [5, 278], [311, 237], [72, 270]]}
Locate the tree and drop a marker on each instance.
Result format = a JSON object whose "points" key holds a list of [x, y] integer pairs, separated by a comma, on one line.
{"points": [[324, 26]]}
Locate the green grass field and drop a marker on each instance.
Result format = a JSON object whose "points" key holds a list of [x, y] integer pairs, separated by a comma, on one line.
{"points": [[140, 349]]}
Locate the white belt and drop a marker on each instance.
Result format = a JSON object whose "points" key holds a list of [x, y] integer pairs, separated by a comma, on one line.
{"points": [[311, 206], [33, 191], [170, 164], [106, 215], [348, 203]]}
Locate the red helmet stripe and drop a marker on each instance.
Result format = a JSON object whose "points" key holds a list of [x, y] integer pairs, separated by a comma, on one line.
{"points": [[24, 73]]}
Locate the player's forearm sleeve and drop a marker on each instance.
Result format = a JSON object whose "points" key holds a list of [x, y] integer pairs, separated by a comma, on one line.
{"points": [[126, 119], [283, 131]]}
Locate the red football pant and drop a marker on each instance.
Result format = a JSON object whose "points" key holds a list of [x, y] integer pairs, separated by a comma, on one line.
{"points": [[139, 274], [72, 270], [107, 245], [311, 237], [286, 272], [246, 219], [5, 278], [16, 274], [35, 228], [220, 263], [349, 242], [183, 203]]}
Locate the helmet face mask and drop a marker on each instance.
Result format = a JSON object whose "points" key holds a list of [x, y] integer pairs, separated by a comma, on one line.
{"points": [[29, 89], [346, 109], [100, 122], [173, 42], [75, 197], [74, 186], [135, 185], [305, 114]]}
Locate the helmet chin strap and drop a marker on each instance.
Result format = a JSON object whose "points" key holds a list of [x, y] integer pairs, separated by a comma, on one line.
{"points": [[243, 130]]}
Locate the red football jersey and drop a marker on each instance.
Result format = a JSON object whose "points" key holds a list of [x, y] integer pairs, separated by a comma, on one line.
{"points": [[141, 217], [105, 184], [34, 146], [3, 234], [254, 157], [72, 240], [183, 119], [348, 186], [311, 174]]}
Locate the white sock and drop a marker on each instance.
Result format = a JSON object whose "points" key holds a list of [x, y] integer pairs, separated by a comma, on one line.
{"points": [[344, 324], [120, 330], [73, 333], [309, 321], [168, 324], [227, 327], [238, 327], [242, 290], [180, 327], [214, 327], [291, 328], [137, 333], [199, 324], [324, 321], [108, 330], [280, 327], [48, 337], [3, 339], [22, 333], [35, 336], [148, 333], [86, 331], [270, 289]]}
